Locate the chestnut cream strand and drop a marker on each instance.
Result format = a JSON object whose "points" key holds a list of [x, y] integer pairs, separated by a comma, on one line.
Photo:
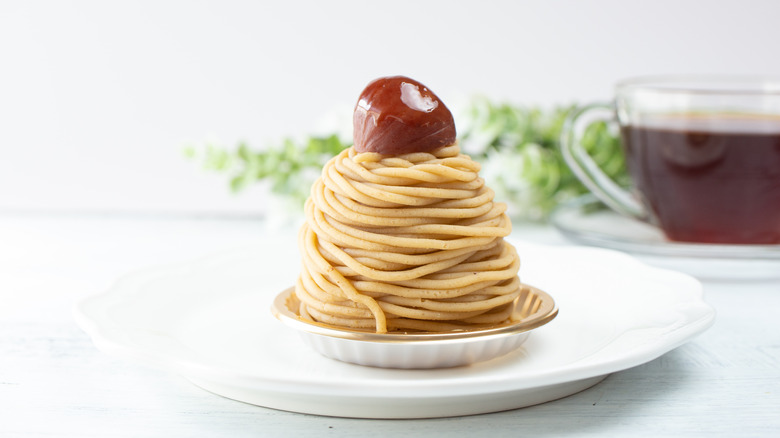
{"points": [[408, 242]]}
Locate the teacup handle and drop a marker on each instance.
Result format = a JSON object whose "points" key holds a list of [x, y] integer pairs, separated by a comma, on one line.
{"points": [[586, 170]]}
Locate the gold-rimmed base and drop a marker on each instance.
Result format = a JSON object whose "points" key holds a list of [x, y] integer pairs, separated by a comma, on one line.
{"points": [[533, 308]]}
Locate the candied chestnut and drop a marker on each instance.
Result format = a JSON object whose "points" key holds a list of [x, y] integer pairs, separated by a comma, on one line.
{"points": [[397, 115]]}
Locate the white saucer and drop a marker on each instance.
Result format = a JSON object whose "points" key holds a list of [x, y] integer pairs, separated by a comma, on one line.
{"points": [[585, 220], [208, 320]]}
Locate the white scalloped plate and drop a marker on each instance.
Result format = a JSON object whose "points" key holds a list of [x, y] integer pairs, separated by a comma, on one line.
{"points": [[209, 321]]}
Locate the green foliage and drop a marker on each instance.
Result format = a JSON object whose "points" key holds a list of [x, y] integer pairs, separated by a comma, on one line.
{"points": [[290, 169], [518, 148]]}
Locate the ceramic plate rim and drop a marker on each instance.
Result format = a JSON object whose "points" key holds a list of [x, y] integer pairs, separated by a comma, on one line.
{"points": [[105, 338]]}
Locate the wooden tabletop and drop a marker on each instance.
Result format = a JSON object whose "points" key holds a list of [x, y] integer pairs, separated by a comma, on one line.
{"points": [[54, 382]]}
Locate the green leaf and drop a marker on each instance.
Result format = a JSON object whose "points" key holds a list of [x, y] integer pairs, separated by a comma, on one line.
{"points": [[518, 145]]}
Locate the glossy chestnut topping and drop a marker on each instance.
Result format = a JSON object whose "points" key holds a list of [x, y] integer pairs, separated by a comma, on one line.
{"points": [[397, 115]]}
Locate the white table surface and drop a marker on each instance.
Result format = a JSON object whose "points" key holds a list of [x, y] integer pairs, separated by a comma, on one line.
{"points": [[54, 382]]}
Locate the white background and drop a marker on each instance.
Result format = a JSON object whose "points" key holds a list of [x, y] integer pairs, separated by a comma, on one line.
{"points": [[97, 99]]}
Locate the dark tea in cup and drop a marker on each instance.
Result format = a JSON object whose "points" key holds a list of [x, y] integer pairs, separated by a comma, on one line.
{"points": [[713, 179], [703, 154]]}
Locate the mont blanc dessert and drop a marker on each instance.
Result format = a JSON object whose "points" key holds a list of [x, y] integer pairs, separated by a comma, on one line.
{"points": [[401, 233]]}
